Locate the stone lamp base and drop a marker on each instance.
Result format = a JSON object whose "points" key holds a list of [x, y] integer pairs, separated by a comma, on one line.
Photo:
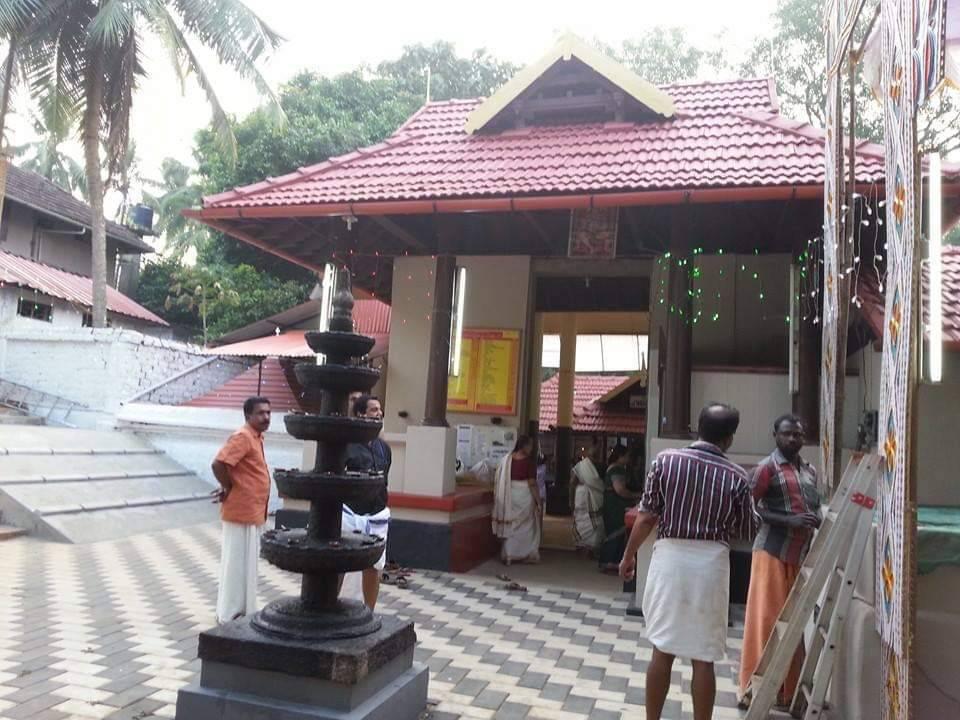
{"points": [[365, 678]]}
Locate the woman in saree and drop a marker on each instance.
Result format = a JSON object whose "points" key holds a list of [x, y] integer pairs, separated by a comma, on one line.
{"points": [[517, 516], [587, 506], [617, 499]]}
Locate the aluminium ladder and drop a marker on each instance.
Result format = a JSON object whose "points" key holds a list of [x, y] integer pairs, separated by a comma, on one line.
{"points": [[834, 561]]}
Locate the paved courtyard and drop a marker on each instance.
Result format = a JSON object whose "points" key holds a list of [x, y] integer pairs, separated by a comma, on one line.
{"points": [[110, 631]]}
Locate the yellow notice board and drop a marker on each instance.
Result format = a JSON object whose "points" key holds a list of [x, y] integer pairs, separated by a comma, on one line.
{"points": [[489, 364]]}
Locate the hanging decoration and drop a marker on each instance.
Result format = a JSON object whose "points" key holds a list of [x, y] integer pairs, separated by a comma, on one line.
{"points": [[929, 48]]}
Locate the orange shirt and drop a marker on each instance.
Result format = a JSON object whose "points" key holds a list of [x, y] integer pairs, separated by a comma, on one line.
{"points": [[247, 501]]}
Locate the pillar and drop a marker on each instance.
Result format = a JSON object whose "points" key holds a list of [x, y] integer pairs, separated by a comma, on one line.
{"points": [[535, 375], [806, 401], [677, 362], [559, 501], [438, 357]]}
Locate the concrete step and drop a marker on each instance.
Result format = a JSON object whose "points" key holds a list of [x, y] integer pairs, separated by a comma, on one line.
{"points": [[17, 439], [9, 532], [85, 486], [55, 466], [14, 417]]}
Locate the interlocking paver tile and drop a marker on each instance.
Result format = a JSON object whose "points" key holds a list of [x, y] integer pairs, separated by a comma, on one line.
{"points": [[110, 631]]}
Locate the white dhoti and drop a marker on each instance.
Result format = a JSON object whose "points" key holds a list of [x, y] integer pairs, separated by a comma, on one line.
{"points": [[239, 552], [522, 544], [377, 524], [686, 599]]}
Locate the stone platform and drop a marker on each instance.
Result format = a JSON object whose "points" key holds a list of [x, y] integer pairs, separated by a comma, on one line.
{"points": [[372, 677]]}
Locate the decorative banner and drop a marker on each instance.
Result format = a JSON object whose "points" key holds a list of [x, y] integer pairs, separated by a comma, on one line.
{"points": [[593, 233], [841, 19], [929, 43], [896, 517], [489, 367], [832, 203]]}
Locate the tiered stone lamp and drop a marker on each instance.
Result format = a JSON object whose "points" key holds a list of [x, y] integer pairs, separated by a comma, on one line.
{"points": [[316, 656]]}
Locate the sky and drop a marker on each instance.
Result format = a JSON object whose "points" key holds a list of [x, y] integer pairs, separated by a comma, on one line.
{"points": [[333, 37]]}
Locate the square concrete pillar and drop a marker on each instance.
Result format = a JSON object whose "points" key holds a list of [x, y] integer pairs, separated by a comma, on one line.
{"points": [[430, 461]]}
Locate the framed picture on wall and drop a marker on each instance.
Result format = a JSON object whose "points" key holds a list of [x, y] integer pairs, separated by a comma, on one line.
{"points": [[593, 233]]}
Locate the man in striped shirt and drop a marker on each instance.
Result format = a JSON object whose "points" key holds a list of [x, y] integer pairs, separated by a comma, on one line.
{"points": [[698, 500]]}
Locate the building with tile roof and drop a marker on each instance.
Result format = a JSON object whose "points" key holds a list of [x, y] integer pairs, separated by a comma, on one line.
{"points": [[578, 189]]}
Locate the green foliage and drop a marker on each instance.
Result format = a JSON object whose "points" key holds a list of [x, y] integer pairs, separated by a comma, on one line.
{"points": [[229, 296], [175, 193], [662, 55], [330, 116]]}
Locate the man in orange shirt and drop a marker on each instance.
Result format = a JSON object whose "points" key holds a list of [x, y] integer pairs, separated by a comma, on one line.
{"points": [[241, 469]]}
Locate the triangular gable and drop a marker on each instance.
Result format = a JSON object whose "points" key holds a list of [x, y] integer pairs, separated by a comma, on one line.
{"points": [[570, 46], [639, 378]]}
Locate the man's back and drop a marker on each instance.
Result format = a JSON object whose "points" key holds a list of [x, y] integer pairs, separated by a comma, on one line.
{"points": [[698, 494]]}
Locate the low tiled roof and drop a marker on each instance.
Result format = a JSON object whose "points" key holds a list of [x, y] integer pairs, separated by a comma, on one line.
{"points": [[35, 191], [77, 289], [873, 308], [272, 381], [724, 135], [589, 415]]}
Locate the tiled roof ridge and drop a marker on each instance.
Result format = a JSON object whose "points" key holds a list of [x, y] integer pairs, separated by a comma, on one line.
{"points": [[401, 137]]}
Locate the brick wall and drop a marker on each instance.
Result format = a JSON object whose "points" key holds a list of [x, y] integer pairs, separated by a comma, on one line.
{"points": [[103, 368]]}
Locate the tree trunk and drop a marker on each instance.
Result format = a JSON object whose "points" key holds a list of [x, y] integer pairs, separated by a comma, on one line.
{"points": [[91, 148], [4, 108], [7, 83]]}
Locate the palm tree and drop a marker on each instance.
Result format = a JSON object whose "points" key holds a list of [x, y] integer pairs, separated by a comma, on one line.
{"points": [[176, 193], [44, 156], [15, 16], [86, 53]]}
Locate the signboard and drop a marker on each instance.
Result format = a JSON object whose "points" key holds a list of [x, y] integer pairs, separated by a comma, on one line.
{"points": [[489, 366]]}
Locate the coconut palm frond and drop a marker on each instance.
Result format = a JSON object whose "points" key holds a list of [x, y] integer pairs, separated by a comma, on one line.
{"points": [[15, 15], [113, 24], [177, 42]]}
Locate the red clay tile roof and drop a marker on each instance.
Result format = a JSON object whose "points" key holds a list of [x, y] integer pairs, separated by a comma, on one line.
{"points": [[724, 135], [77, 289], [590, 416], [273, 383], [873, 309]]}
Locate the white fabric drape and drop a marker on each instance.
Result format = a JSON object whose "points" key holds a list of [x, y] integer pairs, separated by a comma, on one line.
{"points": [[523, 542], [588, 530], [378, 524], [239, 552], [515, 517], [686, 599]]}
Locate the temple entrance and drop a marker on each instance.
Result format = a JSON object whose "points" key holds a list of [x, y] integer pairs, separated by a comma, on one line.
{"points": [[586, 395]]}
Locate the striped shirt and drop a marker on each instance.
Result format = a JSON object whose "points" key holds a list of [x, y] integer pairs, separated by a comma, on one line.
{"points": [[698, 494], [787, 488]]}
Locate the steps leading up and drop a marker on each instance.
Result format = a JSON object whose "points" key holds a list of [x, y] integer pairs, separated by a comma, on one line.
{"points": [[85, 486]]}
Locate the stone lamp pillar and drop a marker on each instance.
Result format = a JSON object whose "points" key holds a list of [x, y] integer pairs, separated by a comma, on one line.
{"points": [[315, 656]]}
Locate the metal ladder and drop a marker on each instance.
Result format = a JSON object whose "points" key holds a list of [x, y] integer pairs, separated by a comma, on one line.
{"points": [[834, 561]]}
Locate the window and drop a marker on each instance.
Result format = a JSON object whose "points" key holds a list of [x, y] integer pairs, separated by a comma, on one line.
{"points": [[600, 353], [35, 310]]}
